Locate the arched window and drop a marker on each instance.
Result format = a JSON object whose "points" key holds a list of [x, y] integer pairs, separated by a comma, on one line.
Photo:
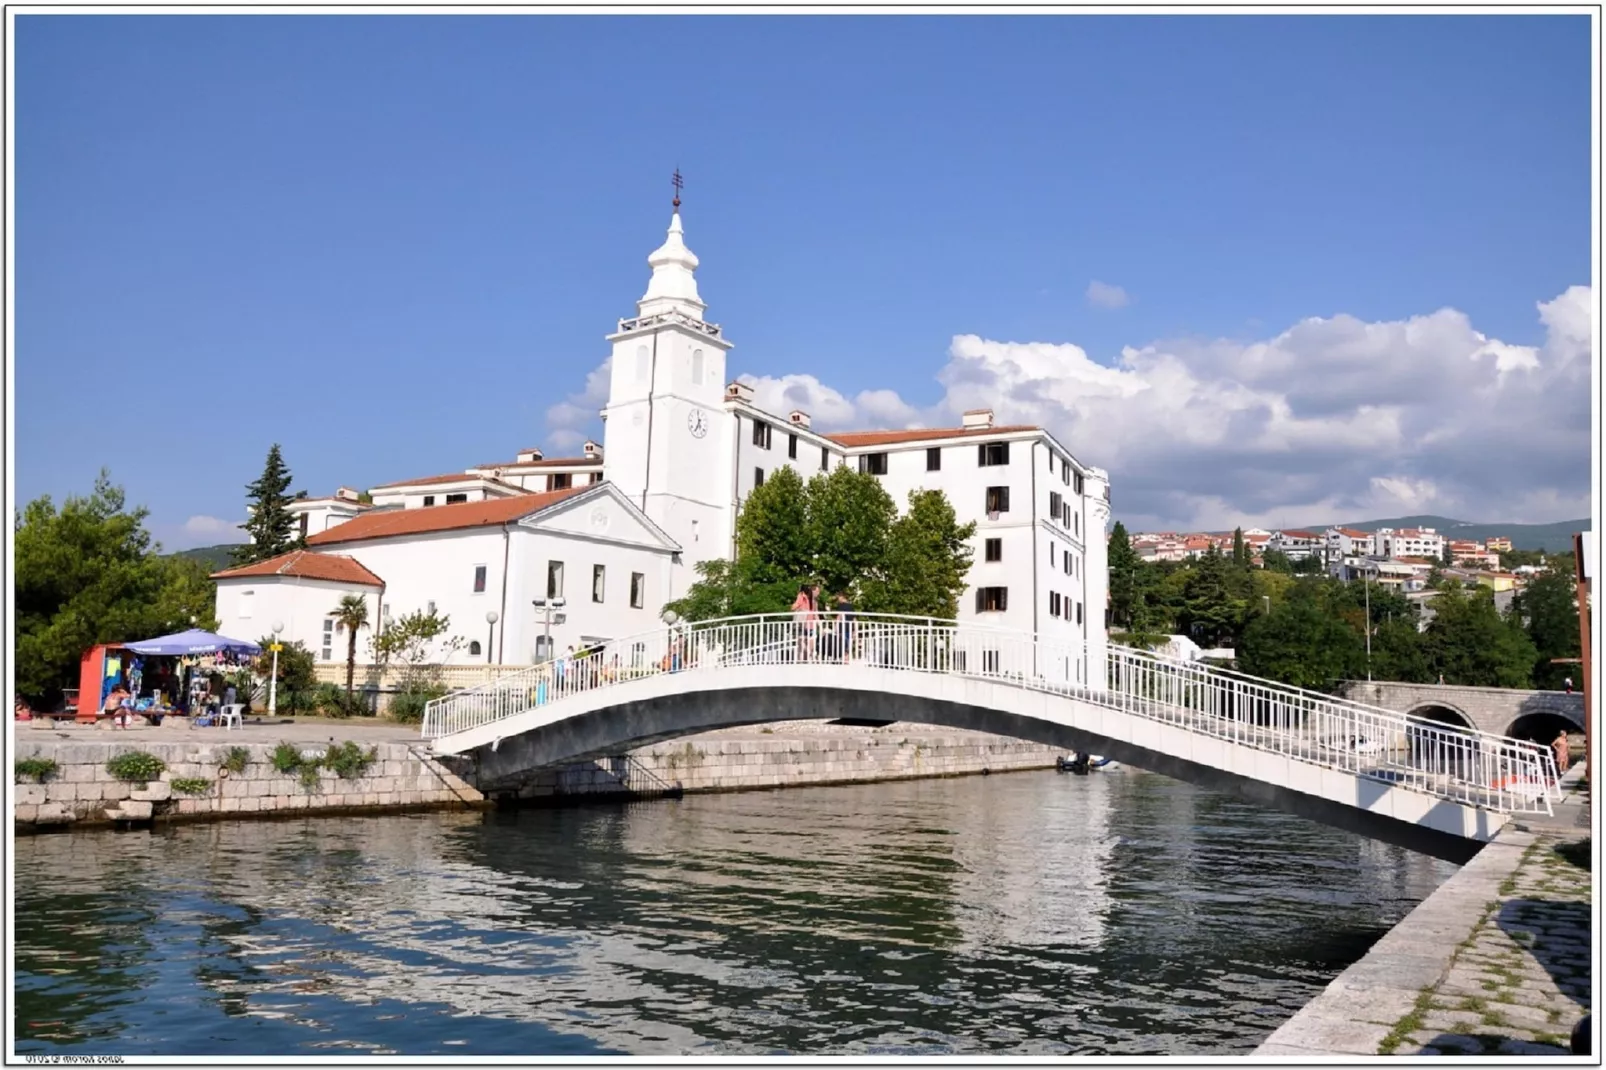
{"points": [[474, 649], [642, 359], [697, 367]]}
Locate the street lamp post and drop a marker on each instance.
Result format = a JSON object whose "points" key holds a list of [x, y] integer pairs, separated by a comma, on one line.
{"points": [[273, 681], [546, 606], [1367, 584], [490, 634]]}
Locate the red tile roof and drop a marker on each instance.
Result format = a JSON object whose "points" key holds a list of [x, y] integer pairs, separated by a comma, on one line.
{"points": [[1300, 535], [853, 439], [1352, 533], [453, 477], [555, 462], [307, 565], [392, 522]]}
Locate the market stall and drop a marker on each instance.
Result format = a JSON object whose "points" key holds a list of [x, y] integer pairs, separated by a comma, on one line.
{"points": [[171, 673]]}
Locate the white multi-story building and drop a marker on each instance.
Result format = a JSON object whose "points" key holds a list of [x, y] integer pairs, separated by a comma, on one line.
{"points": [[684, 446], [1341, 543], [1408, 542], [1297, 545]]}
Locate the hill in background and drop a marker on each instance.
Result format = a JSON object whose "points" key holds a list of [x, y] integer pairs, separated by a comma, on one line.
{"points": [[215, 558], [1552, 538]]}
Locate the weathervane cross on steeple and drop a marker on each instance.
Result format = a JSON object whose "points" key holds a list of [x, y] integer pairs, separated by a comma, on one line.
{"points": [[677, 182]]}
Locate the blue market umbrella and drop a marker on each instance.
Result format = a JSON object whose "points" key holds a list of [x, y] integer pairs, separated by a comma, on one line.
{"points": [[193, 641]]}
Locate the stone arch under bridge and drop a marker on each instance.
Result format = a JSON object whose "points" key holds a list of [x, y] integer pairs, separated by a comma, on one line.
{"points": [[1503, 711]]}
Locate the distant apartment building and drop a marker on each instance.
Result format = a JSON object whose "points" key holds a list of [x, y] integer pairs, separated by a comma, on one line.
{"points": [[1468, 552], [1498, 543], [1408, 542], [1296, 545], [1340, 543]]}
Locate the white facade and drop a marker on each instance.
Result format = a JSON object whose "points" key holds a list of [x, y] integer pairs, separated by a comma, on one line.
{"points": [[1297, 545], [690, 448], [467, 572], [684, 447], [249, 608], [1409, 542]]}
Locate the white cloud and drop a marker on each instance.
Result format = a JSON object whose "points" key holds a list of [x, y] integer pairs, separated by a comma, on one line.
{"points": [[1334, 418], [212, 527], [572, 419], [1106, 295]]}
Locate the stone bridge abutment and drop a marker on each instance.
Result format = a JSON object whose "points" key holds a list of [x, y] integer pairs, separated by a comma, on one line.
{"points": [[1503, 711]]}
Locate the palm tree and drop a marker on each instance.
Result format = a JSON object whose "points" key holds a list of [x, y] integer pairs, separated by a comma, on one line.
{"points": [[352, 613]]}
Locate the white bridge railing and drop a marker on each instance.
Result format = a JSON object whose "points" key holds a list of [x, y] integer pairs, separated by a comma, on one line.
{"points": [[1476, 768]]}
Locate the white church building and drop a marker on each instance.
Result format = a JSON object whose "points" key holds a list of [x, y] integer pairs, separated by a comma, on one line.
{"points": [[617, 532]]}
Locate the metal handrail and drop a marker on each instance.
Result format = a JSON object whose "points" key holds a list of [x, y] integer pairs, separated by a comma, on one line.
{"points": [[1477, 768]]}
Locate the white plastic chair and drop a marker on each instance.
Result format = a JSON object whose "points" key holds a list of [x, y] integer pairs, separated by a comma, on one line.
{"points": [[233, 716]]}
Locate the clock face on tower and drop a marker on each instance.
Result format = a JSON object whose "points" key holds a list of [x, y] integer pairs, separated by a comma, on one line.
{"points": [[697, 423]]}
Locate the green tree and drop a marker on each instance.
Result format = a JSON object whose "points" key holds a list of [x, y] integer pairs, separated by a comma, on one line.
{"points": [[844, 532], [1399, 653], [89, 573], [1300, 642], [1276, 561], [1240, 549], [1548, 612], [271, 526], [297, 673], [850, 518], [1124, 565], [416, 641], [1470, 643], [1210, 614], [352, 614], [927, 557]]}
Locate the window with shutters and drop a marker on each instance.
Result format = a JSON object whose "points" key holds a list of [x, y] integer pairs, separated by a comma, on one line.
{"points": [[599, 578], [429, 499], [993, 550], [1053, 603], [479, 579], [992, 599], [327, 653], [825, 459], [758, 478], [997, 501], [934, 459], [989, 454], [1054, 506], [554, 579], [454, 499], [873, 463], [791, 447], [1076, 484], [638, 590], [1079, 613], [559, 481], [761, 434]]}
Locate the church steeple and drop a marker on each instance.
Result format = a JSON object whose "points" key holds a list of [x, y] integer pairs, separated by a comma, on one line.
{"points": [[673, 286]]}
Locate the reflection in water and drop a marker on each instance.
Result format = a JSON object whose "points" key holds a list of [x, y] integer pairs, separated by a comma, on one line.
{"points": [[1121, 913]]}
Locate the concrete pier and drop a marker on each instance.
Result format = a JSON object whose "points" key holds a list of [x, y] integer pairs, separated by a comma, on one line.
{"points": [[1497, 962]]}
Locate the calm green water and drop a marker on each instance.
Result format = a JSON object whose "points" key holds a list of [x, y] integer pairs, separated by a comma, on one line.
{"points": [[1034, 913]]}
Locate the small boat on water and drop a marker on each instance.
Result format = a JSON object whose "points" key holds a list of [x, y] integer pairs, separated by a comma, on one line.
{"points": [[1082, 764]]}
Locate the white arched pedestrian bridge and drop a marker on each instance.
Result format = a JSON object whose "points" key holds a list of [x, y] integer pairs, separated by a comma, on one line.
{"points": [[1435, 788]]}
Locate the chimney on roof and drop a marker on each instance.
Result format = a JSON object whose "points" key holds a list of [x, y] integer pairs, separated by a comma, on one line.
{"points": [[977, 419], [738, 391], [592, 449], [530, 455], [346, 494], [799, 418]]}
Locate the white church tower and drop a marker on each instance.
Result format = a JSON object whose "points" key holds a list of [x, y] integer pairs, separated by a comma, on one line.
{"points": [[666, 438]]}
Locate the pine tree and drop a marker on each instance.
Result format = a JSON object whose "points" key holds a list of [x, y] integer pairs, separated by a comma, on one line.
{"points": [[1123, 564], [271, 527]]}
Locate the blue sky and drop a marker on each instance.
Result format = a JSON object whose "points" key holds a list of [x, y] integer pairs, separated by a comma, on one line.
{"points": [[393, 243]]}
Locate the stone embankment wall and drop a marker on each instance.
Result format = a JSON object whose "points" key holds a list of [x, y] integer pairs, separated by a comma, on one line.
{"points": [[792, 754], [82, 791]]}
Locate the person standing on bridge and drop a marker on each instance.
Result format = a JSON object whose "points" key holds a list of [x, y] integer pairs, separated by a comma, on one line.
{"points": [[1560, 746], [803, 612]]}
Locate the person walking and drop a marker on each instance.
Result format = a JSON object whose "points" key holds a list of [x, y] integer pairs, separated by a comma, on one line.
{"points": [[803, 612], [844, 620], [1569, 682]]}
